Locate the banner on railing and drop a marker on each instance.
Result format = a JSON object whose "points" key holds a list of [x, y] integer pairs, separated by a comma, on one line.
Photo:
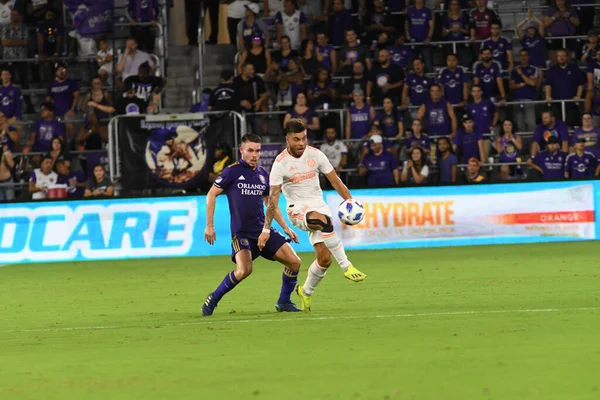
{"points": [[163, 153], [268, 154], [92, 18]]}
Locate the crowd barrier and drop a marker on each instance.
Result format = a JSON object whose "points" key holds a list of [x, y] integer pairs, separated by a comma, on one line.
{"points": [[395, 218]]}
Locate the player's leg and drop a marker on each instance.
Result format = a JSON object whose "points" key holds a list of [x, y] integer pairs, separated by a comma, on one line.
{"points": [[316, 272], [317, 221], [242, 256], [291, 266]]}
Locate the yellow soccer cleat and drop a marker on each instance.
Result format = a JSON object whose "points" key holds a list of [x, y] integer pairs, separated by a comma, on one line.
{"points": [[304, 299], [354, 275]]}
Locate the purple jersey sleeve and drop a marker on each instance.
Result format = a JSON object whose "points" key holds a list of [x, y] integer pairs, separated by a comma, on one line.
{"points": [[457, 139], [278, 18], [224, 180], [563, 132], [36, 126], [33, 177], [568, 165], [393, 162], [537, 135]]}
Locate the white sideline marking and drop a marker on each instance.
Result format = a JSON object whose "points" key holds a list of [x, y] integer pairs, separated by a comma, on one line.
{"points": [[259, 320]]}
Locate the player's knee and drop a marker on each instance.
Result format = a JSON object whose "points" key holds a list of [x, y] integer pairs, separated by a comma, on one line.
{"points": [[324, 260], [243, 271], [319, 222], [295, 263]]}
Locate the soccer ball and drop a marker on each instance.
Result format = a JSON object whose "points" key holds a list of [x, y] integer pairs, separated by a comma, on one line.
{"points": [[351, 212]]}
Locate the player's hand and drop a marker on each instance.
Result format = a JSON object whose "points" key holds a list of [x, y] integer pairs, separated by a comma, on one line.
{"points": [[263, 239], [291, 234], [209, 235]]}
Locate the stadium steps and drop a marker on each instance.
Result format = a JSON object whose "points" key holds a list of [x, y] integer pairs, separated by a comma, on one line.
{"points": [[216, 59]]}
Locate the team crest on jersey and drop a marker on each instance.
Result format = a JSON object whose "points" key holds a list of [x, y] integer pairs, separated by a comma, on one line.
{"points": [[244, 242], [311, 163], [262, 179], [178, 155]]}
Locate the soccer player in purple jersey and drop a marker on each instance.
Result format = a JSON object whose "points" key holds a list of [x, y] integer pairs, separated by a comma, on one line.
{"points": [[246, 185]]}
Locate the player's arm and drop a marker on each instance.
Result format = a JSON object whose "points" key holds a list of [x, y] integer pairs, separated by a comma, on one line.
{"points": [[211, 199], [281, 221], [338, 185], [272, 207]]}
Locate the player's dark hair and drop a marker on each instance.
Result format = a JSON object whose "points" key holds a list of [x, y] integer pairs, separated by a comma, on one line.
{"points": [[524, 51], [587, 113], [452, 55], [48, 106], [437, 85], [46, 157], [251, 137], [477, 86], [294, 125], [144, 68], [549, 111]]}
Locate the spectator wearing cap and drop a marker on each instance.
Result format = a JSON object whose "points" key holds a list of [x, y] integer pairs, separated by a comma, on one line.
{"points": [[419, 28], [564, 81], [15, 41], [44, 130], [130, 62], [357, 81], [581, 164], [223, 158], [224, 97], [257, 55], [501, 47], [560, 20], [447, 161], [386, 79], [380, 167], [359, 117], [351, 52], [250, 27], [488, 74], [63, 93], [531, 34], [551, 161], [415, 170], [236, 11], [550, 127], [340, 20], [11, 102], [473, 168], [525, 81], [147, 86], [590, 133], [468, 142], [292, 23]]}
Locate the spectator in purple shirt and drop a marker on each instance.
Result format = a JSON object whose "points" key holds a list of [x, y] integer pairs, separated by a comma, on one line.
{"points": [[525, 80], [564, 81], [488, 74], [11, 102], [417, 137], [455, 81], [44, 130], [560, 20], [416, 87], [64, 93], [419, 28], [532, 39], [400, 54], [588, 52], [380, 166], [590, 133], [484, 114], [501, 47], [581, 164], [325, 53], [593, 71], [550, 127], [455, 24], [467, 142], [550, 162], [75, 180], [447, 161]]}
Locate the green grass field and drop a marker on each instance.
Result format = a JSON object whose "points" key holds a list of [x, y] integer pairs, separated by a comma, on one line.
{"points": [[494, 322]]}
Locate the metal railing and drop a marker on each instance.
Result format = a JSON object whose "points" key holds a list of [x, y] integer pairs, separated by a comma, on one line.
{"points": [[201, 49]]}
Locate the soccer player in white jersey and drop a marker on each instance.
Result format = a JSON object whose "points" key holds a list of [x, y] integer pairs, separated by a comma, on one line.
{"points": [[296, 173]]}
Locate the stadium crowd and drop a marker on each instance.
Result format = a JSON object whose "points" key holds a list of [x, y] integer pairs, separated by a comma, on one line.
{"points": [[430, 91], [59, 90]]}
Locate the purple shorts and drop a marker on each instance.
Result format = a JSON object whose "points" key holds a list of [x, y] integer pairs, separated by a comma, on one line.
{"points": [[276, 240]]}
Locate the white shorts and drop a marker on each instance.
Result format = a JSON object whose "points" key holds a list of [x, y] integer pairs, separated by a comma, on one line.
{"points": [[297, 216]]}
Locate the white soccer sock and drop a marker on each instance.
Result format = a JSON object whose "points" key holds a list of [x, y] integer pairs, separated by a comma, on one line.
{"points": [[315, 274], [335, 246]]}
